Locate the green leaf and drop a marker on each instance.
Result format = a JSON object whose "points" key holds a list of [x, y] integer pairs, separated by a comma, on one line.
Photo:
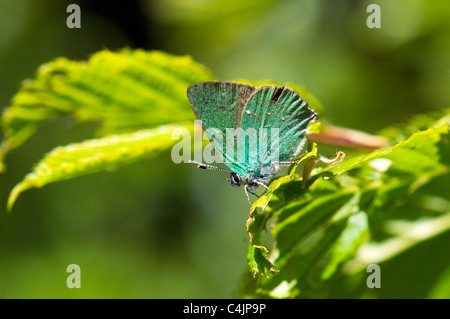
{"points": [[258, 257], [326, 227], [258, 261], [128, 91], [420, 122], [304, 219], [417, 154], [408, 235], [125, 91], [355, 233], [90, 156], [441, 289]]}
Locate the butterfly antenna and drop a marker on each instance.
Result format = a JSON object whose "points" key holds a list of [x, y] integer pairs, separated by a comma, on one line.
{"points": [[206, 166]]}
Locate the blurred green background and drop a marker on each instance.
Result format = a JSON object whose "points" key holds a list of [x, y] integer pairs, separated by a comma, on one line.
{"points": [[155, 229]]}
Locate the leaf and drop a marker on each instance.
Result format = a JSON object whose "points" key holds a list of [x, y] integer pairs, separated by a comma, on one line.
{"points": [[410, 234], [90, 156], [344, 248], [128, 91], [420, 122], [125, 91], [319, 229], [441, 289], [419, 153], [257, 257], [304, 220], [259, 262]]}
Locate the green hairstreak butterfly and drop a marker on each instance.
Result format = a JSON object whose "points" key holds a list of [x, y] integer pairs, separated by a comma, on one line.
{"points": [[277, 117]]}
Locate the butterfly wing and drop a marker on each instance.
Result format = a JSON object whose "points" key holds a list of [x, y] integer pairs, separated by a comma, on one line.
{"points": [[219, 105], [280, 108]]}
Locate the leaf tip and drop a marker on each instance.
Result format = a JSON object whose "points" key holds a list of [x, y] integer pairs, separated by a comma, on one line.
{"points": [[15, 192]]}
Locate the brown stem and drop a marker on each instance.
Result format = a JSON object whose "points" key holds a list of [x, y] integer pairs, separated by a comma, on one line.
{"points": [[345, 137]]}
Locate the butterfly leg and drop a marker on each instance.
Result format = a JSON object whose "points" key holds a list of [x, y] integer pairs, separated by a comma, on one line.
{"points": [[246, 193], [253, 193], [287, 163], [264, 185]]}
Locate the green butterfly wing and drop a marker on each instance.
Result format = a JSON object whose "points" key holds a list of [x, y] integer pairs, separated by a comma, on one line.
{"points": [[279, 108], [219, 105]]}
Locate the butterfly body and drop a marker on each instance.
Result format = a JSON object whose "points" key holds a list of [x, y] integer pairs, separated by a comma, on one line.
{"points": [[250, 181], [255, 130]]}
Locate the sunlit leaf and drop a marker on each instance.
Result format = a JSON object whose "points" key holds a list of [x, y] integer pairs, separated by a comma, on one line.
{"points": [[320, 228], [125, 91], [90, 156]]}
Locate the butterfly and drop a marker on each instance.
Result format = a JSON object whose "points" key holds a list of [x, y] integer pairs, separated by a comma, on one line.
{"points": [[277, 117]]}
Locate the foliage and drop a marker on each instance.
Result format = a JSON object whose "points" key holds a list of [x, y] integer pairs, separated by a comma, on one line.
{"points": [[334, 226], [130, 91], [330, 223]]}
